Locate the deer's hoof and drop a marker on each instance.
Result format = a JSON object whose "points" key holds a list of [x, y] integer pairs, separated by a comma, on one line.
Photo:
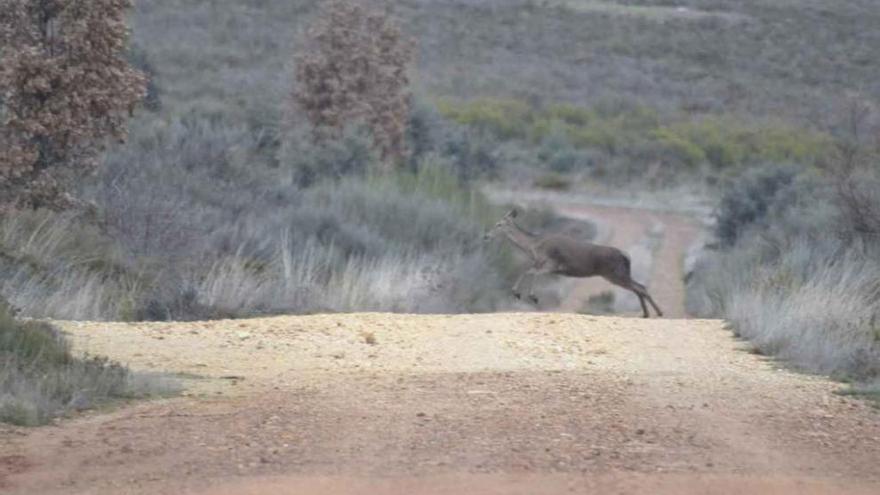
{"points": [[533, 298]]}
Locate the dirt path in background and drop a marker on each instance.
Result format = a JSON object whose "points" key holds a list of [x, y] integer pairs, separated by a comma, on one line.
{"points": [[496, 403]]}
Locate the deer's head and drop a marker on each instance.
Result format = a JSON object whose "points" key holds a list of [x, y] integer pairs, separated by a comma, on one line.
{"points": [[505, 222]]}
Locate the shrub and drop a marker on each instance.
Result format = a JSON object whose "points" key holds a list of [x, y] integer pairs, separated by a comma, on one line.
{"points": [[855, 168], [62, 265], [557, 154], [355, 71], [506, 119], [749, 200], [192, 231], [471, 153], [552, 180], [568, 138], [678, 149], [811, 303], [66, 88], [599, 304], [425, 131], [140, 60], [350, 154], [41, 378], [725, 142], [792, 276]]}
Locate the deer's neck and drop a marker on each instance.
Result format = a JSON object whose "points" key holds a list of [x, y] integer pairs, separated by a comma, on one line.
{"points": [[521, 239]]}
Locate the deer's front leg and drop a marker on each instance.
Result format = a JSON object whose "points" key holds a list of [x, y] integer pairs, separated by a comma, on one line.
{"points": [[542, 269], [515, 289], [531, 271]]}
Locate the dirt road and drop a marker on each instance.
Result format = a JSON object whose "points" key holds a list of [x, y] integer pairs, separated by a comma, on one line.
{"points": [[497, 403]]}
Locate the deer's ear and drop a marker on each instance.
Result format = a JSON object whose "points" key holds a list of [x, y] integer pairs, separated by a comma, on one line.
{"points": [[512, 213]]}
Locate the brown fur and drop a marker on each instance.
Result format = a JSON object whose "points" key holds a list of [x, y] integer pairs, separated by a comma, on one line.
{"points": [[563, 255]]}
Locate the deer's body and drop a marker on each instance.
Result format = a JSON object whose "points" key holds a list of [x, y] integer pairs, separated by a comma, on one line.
{"points": [[572, 258], [563, 255]]}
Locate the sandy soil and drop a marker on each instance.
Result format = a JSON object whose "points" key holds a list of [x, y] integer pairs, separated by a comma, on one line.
{"points": [[499, 403]]}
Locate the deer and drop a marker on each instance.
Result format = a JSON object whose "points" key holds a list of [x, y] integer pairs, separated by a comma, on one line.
{"points": [[559, 254]]}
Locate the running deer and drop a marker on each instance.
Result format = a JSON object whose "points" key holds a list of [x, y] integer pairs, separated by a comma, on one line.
{"points": [[563, 255]]}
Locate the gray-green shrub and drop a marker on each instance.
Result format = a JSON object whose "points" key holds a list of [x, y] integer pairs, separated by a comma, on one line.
{"points": [[41, 379], [791, 275]]}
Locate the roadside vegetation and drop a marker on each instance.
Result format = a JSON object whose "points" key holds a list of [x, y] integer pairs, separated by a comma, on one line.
{"points": [[795, 267], [41, 379]]}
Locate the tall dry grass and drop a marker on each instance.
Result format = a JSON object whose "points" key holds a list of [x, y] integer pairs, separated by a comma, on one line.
{"points": [[795, 280]]}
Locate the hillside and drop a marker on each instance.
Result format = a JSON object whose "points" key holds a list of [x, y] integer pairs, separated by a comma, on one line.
{"points": [[757, 57]]}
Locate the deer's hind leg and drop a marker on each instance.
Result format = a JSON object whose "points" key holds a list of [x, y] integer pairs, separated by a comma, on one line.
{"points": [[626, 282], [644, 294], [642, 302]]}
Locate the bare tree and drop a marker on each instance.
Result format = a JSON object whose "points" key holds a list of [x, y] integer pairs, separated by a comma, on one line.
{"points": [[354, 70], [65, 90], [855, 166]]}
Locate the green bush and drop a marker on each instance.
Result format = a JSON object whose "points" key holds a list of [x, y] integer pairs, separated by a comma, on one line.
{"points": [[570, 114], [560, 156], [750, 200], [309, 162], [679, 149], [725, 142], [432, 138], [506, 119], [553, 181], [640, 135]]}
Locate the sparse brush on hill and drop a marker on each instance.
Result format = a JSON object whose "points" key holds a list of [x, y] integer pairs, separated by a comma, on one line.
{"points": [[624, 142], [720, 85]]}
